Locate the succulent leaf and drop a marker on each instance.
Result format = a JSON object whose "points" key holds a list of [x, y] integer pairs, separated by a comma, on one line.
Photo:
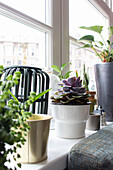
{"points": [[65, 82], [72, 93], [71, 80]]}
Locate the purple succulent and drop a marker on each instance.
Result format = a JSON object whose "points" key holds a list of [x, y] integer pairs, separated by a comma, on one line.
{"points": [[73, 81], [71, 92], [72, 84]]}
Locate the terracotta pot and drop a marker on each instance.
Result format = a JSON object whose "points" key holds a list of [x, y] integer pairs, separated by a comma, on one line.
{"points": [[92, 100]]}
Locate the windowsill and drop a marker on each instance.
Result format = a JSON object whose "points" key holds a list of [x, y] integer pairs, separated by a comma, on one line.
{"points": [[58, 149]]}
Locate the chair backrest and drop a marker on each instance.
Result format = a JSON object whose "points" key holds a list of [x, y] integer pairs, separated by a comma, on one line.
{"points": [[32, 79]]}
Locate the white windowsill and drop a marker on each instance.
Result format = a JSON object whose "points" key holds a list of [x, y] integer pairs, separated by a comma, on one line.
{"points": [[58, 149]]}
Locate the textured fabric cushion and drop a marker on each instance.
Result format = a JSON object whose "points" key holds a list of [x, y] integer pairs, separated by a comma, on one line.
{"points": [[94, 152]]}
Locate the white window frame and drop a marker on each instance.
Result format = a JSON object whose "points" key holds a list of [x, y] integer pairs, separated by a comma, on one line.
{"points": [[58, 32], [99, 4], [31, 22]]}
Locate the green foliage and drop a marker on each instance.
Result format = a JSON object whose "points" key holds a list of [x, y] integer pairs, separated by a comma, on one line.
{"points": [[95, 28], [76, 74], [85, 78], [87, 38], [105, 48], [59, 71], [13, 116]]}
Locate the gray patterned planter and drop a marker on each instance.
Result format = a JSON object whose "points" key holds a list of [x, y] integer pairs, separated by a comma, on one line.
{"points": [[104, 84]]}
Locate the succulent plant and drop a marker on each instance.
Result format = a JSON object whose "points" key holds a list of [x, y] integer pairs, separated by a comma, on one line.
{"points": [[72, 92]]}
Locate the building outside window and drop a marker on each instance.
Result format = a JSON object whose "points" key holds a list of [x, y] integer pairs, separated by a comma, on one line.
{"points": [[25, 32], [44, 32]]}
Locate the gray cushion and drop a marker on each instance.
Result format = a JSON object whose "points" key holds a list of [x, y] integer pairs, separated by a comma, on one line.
{"points": [[94, 152]]}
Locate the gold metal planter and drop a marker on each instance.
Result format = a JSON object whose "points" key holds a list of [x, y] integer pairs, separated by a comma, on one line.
{"points": [[35, 148]]}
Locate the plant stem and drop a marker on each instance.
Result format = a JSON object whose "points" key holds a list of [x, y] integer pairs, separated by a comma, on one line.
{"points": [[13, 96], [104, 41], [97, 54]]}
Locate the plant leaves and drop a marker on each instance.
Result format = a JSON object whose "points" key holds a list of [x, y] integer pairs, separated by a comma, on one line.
{"points": [[17, 75], [76, 73], [95, 28], [19, 165], [9, 77], [1, 69], [13, 96], [56, 68], [111, 29], [63, 65], [67, 74], [100, 42], [111, 45], [87, 38], [87, 46], [41, 94]]}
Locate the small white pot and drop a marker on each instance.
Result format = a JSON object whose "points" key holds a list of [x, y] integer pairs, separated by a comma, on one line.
{"points": [[70, 120]]}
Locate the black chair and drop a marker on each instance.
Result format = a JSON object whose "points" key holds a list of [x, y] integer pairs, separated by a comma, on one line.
{"points": [[32, 79]]}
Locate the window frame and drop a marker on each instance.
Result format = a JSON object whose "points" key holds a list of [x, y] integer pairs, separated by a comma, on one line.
{"points": [[58, 32], [31, 22], [104, 9]]}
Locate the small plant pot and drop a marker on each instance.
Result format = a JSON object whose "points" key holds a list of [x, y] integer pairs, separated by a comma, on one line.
{"points": [[92, 100], [70, 120], [93, 123], [35, 148]]}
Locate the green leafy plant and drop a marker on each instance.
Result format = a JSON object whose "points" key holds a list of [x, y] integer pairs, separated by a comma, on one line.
{"points": [[76, 74], [71, 93], [60, 70], [85, 78], [13, 116], [102, 48]]}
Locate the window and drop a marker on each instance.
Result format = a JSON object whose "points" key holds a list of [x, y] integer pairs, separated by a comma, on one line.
{"points": [[88, 18], [37, 9], [25, 32], [79, 56], [44, 32]]}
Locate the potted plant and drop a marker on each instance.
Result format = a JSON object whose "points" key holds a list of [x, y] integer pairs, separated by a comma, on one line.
{"points": [[93, 122], [59, 70], [103, 72], [92, 93], [55, 79], [70, 108], [13, 117]]}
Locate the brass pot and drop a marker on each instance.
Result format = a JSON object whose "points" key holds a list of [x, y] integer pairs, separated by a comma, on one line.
{"points": [[35, 148]]}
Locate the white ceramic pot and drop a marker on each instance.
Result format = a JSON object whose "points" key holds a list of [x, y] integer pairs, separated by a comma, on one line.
{"points": [[70, 120]]}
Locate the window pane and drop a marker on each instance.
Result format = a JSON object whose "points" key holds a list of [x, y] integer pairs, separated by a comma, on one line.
{"points": [[79, 57], [83, 13], [21, 44], [37, 9]]}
